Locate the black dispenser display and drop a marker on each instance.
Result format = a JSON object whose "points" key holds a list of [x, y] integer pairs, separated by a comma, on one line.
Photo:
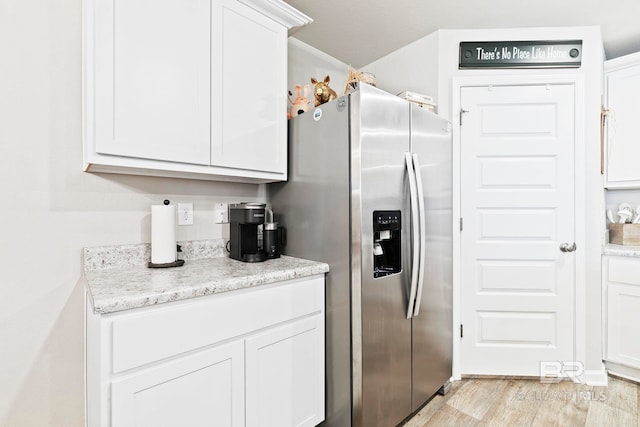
{"points": [[387, 244], [245, 219]]}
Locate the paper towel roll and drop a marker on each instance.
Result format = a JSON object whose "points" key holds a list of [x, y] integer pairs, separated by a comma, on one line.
{"points": [[163, 234]]}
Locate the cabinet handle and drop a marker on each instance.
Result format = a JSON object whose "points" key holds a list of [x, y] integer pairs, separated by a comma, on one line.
{"points": [[566, 247], [604, 112]]}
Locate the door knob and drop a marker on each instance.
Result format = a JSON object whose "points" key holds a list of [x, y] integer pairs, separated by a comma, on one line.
{"points": [[566, 247]]}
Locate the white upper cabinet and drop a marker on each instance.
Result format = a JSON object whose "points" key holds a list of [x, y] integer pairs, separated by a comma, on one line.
{"points": [[251, 92], [152, 79], [187, 88], [622, 151]]}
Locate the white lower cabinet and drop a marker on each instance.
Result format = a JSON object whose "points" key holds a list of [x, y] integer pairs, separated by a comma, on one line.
{"points": [[622, 286], [241, 358], [284, 375], [203, 389]]}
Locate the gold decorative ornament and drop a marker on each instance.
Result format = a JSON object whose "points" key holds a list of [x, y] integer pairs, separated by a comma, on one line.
{"points": [[322, 92]]}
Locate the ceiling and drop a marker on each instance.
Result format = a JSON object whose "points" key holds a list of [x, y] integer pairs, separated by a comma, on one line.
{"points": [[357, 32]]}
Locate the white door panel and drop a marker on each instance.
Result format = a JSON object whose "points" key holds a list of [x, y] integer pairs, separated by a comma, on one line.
{"points": [[508, 224], [505, 328], [519, 120], [522, 172], [205, 388], [152, 86], [516, 276], [253, 130], [517, 201]]}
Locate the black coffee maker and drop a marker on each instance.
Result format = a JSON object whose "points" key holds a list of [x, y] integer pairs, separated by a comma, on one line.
{"points": [[245, 221]]}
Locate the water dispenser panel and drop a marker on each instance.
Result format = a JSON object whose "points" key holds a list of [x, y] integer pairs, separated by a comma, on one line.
{"points": [[387, 244]]}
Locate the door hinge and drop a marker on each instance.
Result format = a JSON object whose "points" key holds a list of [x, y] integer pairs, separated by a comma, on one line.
{"points": [[462, 111], [461, 330], [461, 224]]}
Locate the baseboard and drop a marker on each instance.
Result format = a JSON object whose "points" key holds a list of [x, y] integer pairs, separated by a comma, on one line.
{"points": [[622, 371], [595, 377]]}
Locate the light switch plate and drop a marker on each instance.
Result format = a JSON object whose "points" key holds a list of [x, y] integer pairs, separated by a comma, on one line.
{"points": [[221, 213]]}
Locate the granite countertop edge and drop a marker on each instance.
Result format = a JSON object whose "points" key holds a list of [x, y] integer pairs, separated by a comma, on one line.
{"points": [[126, 286], [621, 250]]}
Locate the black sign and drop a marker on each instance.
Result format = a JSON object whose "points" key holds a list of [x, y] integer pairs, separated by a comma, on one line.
{"points": [[521, 54]]}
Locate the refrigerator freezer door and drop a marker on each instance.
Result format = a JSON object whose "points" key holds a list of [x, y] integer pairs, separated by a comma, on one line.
{"points": [[314, 208], [433, 326], [381, 332]]}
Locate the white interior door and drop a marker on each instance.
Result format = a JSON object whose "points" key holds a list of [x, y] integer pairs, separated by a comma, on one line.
{"points": [[517, 203]]}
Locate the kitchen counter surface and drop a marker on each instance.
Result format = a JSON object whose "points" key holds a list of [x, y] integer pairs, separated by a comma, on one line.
{"points": [[118, 279], [621, 250]]}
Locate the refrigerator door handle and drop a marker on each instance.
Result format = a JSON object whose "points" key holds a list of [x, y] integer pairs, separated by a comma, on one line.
{"points": [[415, 236], [423, 234]]}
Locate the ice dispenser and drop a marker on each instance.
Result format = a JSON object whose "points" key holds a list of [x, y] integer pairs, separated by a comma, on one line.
{"points": [[387, 257]]}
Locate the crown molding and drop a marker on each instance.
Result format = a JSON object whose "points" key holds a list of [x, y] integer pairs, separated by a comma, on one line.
{"points": [[280, 12]]}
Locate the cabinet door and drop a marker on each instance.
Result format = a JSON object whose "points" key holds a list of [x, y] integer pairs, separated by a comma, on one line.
{"points": [[285, 375], [248, 89], [623, 311], [151, 80], [204, 389], [623, 127]]}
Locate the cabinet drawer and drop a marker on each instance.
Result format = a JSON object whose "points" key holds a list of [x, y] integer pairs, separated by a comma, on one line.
{"points": [[624, 270], [151, 335]]}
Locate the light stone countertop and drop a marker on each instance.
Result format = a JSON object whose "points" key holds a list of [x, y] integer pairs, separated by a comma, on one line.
{"points": [[118, 279], [621, 250]]}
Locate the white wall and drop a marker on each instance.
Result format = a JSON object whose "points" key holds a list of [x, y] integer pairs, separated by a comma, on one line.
{"points": [[412, 68], [306, 61], [442, 47], [50, 209], [615, 197]]}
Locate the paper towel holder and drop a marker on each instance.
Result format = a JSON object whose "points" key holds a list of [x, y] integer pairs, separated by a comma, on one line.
{"points": [[176, 262]]}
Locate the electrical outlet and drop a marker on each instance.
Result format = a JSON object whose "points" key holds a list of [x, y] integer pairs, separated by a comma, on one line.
{"points": [[185, 213], [221, 213]]}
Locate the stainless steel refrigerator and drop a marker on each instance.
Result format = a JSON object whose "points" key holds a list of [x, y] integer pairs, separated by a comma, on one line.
{"points": [[369, 192]]}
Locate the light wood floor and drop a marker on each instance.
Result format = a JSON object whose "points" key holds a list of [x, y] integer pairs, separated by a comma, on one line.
{"points": [[527, 402]]}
